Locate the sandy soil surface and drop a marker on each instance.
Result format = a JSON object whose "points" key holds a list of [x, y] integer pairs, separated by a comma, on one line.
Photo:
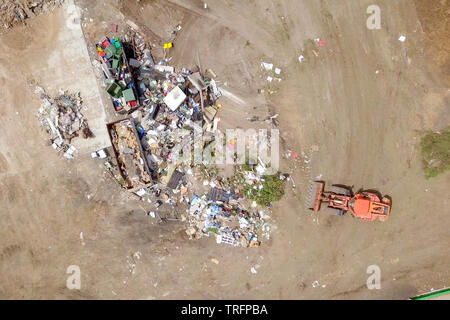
{"points": [[361, 101]]}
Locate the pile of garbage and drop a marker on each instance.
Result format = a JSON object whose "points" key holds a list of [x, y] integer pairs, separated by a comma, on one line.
{"points": [[13, 12], [62, 118], [137, 81], [161, 102], [221, 213], [165, 108], [119, 79]]}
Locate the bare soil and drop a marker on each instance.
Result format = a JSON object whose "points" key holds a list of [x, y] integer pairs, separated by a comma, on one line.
{"points": [[362, 101]]}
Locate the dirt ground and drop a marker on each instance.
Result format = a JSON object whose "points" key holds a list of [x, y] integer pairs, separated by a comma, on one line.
{"points": [[362, 101]]}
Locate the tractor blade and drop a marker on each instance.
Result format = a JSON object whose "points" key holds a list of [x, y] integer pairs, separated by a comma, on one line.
{"points": [[319, 194]]}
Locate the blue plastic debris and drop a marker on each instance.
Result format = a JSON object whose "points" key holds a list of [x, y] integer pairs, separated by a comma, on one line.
{"points": [[195, 200], [141, 132]]}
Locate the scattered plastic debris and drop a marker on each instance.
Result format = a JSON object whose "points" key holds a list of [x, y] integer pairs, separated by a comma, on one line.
{"points": [[82, 238], [62, 118], [292, 154], [15, 12], [320, 43]]}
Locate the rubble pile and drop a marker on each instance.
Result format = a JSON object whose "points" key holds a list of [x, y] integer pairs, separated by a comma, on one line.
{"points": [[130, 158], [13, 12], [62, 118]]}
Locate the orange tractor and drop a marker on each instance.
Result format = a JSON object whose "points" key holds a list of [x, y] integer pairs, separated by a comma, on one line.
{"points": [[366, 205]]}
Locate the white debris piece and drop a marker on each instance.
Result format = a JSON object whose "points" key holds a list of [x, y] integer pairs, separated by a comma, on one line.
{"points": [[162, 68], [101, 154], [243, 223], [267, 66], [260, 169], [402, 38], [174, 98], [215, 124], [82, 238], [266, 229], [277, 70], [269, 78], [69, 153], [224, 238], [216, 90], [141, 192], [300, 58]]}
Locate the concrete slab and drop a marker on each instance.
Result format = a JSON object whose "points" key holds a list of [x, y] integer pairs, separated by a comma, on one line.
{"points": [[68, 67]]}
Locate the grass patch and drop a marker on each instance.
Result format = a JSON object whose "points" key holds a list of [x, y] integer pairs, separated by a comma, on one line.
{"points": [[247, 166], [213, 230], [435, 149], [272, 187], [272, 190], [121, 182]]}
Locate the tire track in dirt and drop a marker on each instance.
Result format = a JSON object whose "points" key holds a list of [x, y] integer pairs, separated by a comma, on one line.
{"points": [[3, 164]]}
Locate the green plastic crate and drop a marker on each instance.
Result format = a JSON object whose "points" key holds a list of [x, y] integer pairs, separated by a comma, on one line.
{"points": [[114, 90], [128, 95]]}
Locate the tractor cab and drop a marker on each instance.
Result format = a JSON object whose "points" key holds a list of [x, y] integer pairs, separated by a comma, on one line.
{"points": [[368, 206], [360, 206]]}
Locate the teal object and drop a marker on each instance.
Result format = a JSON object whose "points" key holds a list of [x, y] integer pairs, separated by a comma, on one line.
{"points": [[118, 53], [110, 51], [128, 95]]}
